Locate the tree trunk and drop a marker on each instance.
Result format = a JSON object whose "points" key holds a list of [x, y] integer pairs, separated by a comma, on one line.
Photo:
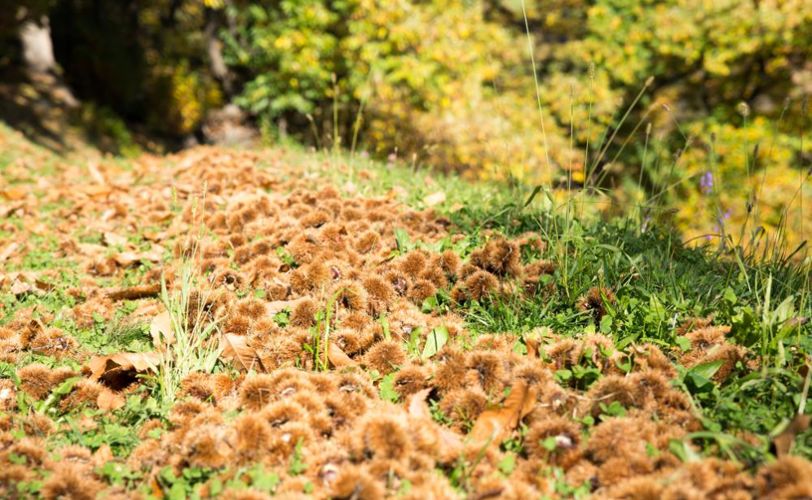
{"points": [[37, 47]]}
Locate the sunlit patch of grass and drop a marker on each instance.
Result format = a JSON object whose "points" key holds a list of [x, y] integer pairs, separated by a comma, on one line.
{"points": [[115, 429], [189, 344], [659, 283]]}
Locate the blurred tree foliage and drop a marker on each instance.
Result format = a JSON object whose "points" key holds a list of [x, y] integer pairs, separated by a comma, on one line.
{"points": [[433, 80], [699, 105], [728, 101], [145, 61]]}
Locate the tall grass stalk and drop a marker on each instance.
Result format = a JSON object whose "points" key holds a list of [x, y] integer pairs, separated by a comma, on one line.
{"points": [[531, 51]]}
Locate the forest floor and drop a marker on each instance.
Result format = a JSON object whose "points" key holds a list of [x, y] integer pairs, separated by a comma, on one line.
{"points": [[246, 323]]}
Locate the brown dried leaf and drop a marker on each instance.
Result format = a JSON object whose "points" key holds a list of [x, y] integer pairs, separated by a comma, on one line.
{"points": [[434, 199], [15, 193], [112, 239], [117, 371], [6, 210], [338, 358], [494, 425], [96, 191], [783, 442], [91, 249], [126, 259], [44, 286], [135, 292], [451, 442], [155, 254], [235, 348], [21, 287], [532, 347], [276, 306], [160, 329], [8, 251], [417, 404], [102, 456], [96, 173]]}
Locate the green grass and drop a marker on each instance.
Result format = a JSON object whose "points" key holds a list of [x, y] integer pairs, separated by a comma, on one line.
{"points": [[186, 343], [659, 283]]}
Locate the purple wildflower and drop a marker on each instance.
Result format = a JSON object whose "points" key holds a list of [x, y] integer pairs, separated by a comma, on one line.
{"points": [[706, 182]]}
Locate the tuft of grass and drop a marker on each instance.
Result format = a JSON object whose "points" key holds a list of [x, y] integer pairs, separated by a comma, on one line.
{"points": [[189, 344]]}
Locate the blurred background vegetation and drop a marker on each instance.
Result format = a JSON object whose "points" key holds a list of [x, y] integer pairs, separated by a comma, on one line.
{"points": [[689, 112]]}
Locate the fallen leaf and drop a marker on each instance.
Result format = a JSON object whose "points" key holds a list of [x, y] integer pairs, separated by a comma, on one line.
{"points": [[44, 286], [91, 249], [135, 292], [6, 210], [783, 441], [188, 162], [434, 199], [96, 191], [8, 251], [235, 348], [160, 329], [419, 409], [494, 425], [532, 347], [152, 235], [277, 306], [102, 456], [118, 371], [15, 193], [155, 254], [417, 406], [20, 287], [107, 214], [112, 239], [95, 173], [337, 357], [126, 259]]}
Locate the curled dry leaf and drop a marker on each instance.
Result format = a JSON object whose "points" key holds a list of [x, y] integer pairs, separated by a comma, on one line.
{"points": [[102, 456], [113, 239], [337, 357], [160, 329], [532, 347], [134, 292], [277, 306], [126, 259], [494, 425], [117, 371], [8, 250], [7, 209], [419, 409], [15, 193], [96, 173], [91, 249], [783, 441], [22, 283], [417, 404], [20, 287], [235, 348], [434, 199]]}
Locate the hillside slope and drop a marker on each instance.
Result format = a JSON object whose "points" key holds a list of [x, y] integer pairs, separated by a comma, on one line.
{"points": [[243, 323]]}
